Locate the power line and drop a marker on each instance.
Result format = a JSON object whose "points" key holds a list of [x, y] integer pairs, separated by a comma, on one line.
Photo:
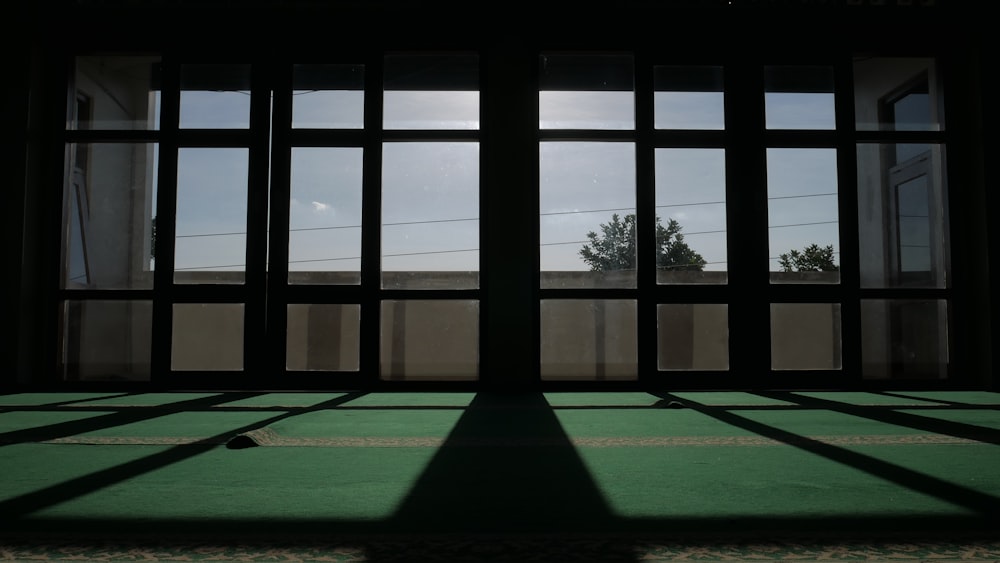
{"points": [[337, 259], [690, 204], [430, 221], [803, 224], [585, 211], [430, 252], [324, 259], [299, 229], [805, 195], [415, 254], [551, 213], [323, 228], [209, 267], [212, 235], [564, 243]]}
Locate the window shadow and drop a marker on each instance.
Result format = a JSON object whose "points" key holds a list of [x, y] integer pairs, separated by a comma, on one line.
{"points": [[890, 415], [14, 508], [507, 484], [985, 507], [508, 469], [120, 416]]}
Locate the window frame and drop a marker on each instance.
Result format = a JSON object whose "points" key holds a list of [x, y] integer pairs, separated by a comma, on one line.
{"points": [[748, 294]]}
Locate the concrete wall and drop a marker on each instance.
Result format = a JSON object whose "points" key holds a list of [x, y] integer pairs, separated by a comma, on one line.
{"points": [[581, 339]]}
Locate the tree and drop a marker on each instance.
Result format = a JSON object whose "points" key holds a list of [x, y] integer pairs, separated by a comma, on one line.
{"points": [[811, 258], [614, 248]]}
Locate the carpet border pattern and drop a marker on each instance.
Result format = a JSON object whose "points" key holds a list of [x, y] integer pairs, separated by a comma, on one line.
{"points": [[398, 549], [267, 436]]}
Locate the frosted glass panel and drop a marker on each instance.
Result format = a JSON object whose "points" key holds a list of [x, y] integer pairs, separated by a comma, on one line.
{"points": [[207, 336], [588, 339], [430, 340]]}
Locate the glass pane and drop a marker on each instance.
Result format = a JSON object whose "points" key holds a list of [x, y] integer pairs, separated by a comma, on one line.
{"points": [[207, 336], [904, 339], [897, 94], [116, 92], [799, 97], [109, 207], [328, 96], [323, 337], [215, 96], [587, 205], [588, 339], [106, 340], [431, 110], [430, 215], [693, 336], [210, 244], [802, 215], [586, 92], [430, 340], [688, 97], [431, 92], [691, 216], [901, 218], [805, 336], [324, 223]]}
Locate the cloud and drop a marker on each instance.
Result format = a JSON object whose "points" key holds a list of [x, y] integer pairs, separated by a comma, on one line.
{"points": [[320, 207]]}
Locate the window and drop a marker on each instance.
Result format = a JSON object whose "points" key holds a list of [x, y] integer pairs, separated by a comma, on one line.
{"points": [[109, 220], [294, 223], [902, 218], [587, 212], [430, 217]]}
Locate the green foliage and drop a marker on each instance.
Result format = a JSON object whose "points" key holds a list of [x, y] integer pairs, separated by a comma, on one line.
{"points": [[614, 248], [812, 258], [672, 253]]}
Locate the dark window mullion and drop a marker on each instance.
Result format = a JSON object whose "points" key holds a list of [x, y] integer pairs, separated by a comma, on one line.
{"points": [[645, 239], [967, 245], [484, 266], [255, 313], [534, 87], [111, 136], [371, 220], [509, 157], [430, 135], [166, 214], [847, 180], [209, 138], [321, 137], [278, 220], [746, 219], [664, 138], [597, 294], [596, 135], [47, 164]]}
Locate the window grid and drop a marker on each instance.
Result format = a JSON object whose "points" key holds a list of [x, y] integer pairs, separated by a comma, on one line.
{"points": [[744, 136]]}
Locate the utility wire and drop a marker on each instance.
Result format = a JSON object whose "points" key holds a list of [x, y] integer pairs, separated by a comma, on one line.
{"points": [[458, 250], [551, 213]]}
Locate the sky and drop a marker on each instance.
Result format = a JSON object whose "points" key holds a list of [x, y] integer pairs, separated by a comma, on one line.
{"points": [[430, 189]]}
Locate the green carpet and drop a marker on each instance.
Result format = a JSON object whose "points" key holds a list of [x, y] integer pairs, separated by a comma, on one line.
{"points": [[410, 476]]}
